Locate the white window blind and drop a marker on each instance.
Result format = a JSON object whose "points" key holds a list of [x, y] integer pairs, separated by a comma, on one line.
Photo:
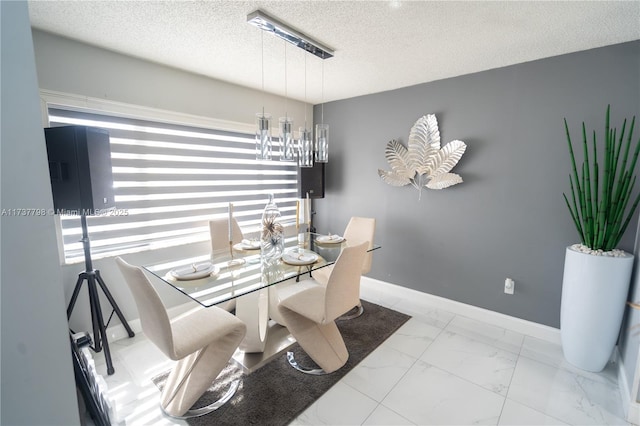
{"points": [[170, 180]]}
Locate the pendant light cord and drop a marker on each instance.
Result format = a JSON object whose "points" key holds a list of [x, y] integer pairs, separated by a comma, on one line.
{"points": [[262, 63], [286, 95], [322, 94], [305, 91]]}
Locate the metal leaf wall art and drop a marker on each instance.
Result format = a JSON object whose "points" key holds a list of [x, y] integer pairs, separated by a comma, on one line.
{"points": [[424, 163]]}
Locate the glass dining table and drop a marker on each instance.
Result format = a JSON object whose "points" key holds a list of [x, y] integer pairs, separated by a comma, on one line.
{"points": [[242, 275]]}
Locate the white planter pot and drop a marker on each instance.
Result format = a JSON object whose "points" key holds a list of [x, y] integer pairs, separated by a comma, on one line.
{"points": [[594, 292]]}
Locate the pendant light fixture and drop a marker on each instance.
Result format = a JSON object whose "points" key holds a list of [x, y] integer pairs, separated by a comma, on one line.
{"points": [[263, 121], [263, 136], [307, 148], [287, 143], [322, 131]]}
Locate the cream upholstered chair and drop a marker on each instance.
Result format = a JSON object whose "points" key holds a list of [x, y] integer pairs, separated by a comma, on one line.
{"points": [[358, 230], [311, 308], [219, 232], [202, 341]]}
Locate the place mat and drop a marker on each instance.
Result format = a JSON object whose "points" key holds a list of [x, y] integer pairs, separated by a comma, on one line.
{"points": [[277, 393]]}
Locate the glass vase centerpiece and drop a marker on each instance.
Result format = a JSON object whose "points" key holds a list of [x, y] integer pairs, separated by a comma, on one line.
{"points": [[272, 237]]}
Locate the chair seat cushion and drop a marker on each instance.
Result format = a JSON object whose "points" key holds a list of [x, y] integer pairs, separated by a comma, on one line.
{"points": [[198, 328], [308, 301]]}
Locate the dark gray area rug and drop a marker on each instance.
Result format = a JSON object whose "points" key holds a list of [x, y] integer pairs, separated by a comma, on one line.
{"points": [[277, 393]]}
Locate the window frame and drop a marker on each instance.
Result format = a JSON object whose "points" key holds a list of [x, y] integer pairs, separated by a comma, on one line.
{"points": [[65, 101]]}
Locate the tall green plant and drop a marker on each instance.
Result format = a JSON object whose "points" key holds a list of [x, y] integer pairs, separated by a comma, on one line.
{"points": [[600, 196]]}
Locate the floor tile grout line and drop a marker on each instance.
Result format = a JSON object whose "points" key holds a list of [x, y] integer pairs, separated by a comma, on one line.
{"points": [[390, 409], [484, 338], [525, 403], [506, 397], [528, 405], [462, 378], [396, 384]]}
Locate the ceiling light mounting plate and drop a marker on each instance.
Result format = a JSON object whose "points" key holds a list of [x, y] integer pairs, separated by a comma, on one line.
{"points": [[278, 28]]}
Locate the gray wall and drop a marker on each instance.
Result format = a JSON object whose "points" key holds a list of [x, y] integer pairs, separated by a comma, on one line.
{"points": [[508, 218], [37, 375]]}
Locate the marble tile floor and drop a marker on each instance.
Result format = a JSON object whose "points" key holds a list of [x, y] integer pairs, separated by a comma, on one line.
{"points": [[438, 369]]}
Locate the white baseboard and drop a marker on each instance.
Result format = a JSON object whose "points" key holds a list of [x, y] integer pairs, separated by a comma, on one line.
{"points": [[633, 412], [623, 385], [630, 406], [380, 291]]}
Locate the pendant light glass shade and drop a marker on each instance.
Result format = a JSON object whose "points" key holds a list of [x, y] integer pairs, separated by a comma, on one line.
{"points": [[322, 143], [263, 136], [305, 148], [287, 143]]}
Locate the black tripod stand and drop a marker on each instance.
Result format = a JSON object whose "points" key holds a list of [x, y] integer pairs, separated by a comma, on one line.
{"points": [[91, 276]]}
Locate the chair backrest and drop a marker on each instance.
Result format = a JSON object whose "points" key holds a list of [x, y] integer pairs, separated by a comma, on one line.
{"points": [[153, 315], [361, 229], [343, 286], [219, 231]]}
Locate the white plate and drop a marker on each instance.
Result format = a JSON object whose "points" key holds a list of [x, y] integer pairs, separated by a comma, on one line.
{"points": [[194, 272], [294, 258], [330, 239], [247, 245]]}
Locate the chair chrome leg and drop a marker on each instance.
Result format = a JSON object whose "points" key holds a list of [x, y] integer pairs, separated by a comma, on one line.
{"points": [[312, 371], [209, 408], [359, 310]]}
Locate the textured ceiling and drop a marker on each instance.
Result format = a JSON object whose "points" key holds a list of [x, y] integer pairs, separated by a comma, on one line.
{"points": [[379, 45]]}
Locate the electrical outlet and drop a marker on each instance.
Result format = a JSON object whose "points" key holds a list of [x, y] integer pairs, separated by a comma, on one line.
{"points": [[509, 286]]}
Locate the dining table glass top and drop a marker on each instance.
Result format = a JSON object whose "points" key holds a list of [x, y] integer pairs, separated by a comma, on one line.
{"points": [[224, 275]]}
